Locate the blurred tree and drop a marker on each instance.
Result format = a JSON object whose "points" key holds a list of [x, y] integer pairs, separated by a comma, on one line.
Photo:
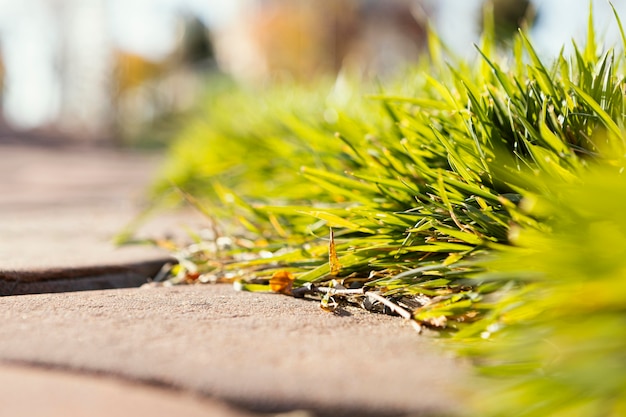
{"points": [[300, 39], [132, 70], [151, 95], [509, 15], [196, 45]]}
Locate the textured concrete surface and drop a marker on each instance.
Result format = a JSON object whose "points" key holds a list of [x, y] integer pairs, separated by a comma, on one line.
{"points": [[262, 352], [60, 209], [33, 392]]}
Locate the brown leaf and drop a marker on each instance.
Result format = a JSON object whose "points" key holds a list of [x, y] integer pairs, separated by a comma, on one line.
{"points": [[282, 282], [333, 260], [192, 276]]}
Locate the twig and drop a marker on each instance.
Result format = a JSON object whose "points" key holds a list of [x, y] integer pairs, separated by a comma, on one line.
{"points": [[339, 291], [163, 272], [396, 308], [309, 288], [393, 306]]}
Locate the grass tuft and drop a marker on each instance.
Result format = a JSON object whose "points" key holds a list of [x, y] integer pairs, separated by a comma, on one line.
{"points": [[482, 200]]}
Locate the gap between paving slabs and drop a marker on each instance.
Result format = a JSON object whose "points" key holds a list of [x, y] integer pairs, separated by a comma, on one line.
{"points": [[56, 280]]}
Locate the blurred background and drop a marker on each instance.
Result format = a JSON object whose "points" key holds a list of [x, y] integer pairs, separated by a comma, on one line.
{"points": [[124, 72]]}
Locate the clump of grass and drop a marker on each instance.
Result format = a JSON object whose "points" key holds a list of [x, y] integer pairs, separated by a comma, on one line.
{"points": [[471, 199], [554, 343]]}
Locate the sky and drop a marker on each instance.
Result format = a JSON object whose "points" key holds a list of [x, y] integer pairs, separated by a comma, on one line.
{"points": [[30, 39]]}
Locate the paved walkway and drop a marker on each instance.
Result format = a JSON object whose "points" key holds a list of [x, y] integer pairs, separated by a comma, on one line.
{"points": [[34, 392], [59, 211], [184, 351]]}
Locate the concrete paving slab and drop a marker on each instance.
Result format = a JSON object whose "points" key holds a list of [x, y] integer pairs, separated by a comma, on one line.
{"points": [[29, 392], [262, 352], [60, 208]]}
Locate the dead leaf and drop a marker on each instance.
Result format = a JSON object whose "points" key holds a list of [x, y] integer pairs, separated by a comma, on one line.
{"points": [[282, 282], [333, 260], [192, 276]]}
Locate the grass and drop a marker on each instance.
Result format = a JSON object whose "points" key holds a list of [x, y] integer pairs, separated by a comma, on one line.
{"points": [[554, 344], [482, 200]]}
